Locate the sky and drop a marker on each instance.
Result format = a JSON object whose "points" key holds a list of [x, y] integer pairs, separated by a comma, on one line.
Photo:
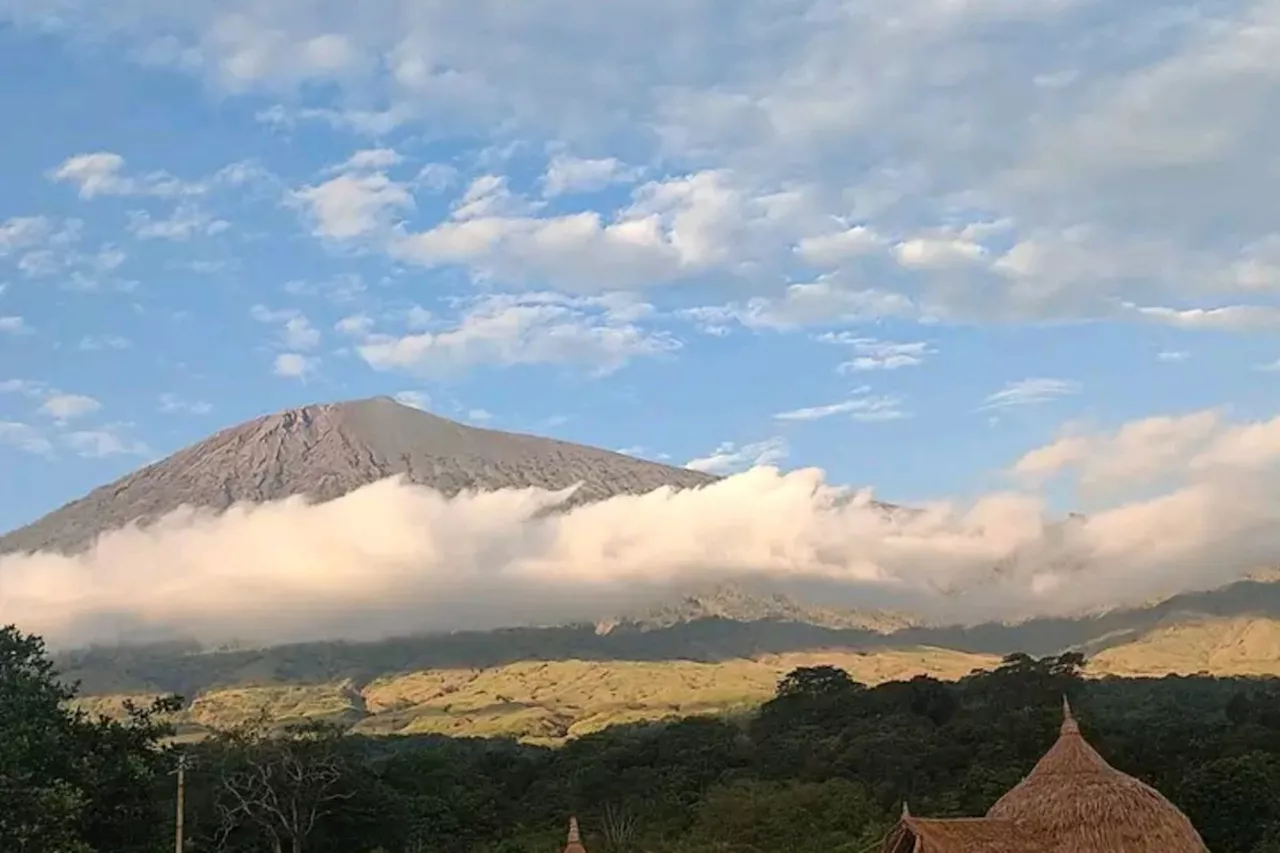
{"points": [[906, 245]]}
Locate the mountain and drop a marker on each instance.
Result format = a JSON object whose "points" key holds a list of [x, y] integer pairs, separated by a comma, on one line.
{"points": [[325, 451], [709, 649], [735, 602]]}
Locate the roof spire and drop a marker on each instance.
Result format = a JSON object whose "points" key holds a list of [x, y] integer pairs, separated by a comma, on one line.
{"points": [[1069, 724], [574, 836], [906, 812]]}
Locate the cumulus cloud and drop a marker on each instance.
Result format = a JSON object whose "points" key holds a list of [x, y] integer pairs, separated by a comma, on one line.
{"points": [[103, 173], [64, 407], [567, 174], [731, 458], [395, 557], [1005, 159], [294, 365], [353, 204], [519, 329]]}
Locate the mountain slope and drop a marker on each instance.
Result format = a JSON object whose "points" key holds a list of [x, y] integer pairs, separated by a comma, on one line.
{"points": [[325, 451], [735, 602]]}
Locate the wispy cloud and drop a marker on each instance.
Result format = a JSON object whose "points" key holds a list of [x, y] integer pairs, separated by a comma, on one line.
{"points": [[1030, 392]]}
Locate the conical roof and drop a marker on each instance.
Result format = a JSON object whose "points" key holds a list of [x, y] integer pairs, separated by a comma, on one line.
{"points": [[1074, 797], [574, 842]]}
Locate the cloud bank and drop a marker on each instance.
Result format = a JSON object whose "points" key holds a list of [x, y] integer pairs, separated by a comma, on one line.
{"points": [[393, 558]]}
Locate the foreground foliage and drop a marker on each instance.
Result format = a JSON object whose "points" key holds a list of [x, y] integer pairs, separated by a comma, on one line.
{"points": [[823, 766]]}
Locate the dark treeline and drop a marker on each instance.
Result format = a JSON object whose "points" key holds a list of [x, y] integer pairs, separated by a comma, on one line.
{"points": [[824, 766]]}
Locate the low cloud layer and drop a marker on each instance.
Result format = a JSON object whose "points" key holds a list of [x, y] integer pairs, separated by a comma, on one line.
{"points": [[393, 558]]}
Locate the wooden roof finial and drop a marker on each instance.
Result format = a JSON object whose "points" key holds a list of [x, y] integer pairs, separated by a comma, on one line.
{"points": [[575, 837], [1069, 724]]}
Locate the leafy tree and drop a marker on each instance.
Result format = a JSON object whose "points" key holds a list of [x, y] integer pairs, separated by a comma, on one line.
{"points": [[69, 783], [811, 682]]}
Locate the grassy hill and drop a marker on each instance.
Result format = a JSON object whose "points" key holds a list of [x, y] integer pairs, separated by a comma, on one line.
{"points": [[542, 701]]}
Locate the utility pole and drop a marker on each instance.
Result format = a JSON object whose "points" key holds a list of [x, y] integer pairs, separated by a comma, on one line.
{"points": [[182, 790]]}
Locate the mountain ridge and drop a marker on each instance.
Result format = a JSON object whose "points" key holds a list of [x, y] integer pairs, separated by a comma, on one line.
{"points": [[326, 450]]}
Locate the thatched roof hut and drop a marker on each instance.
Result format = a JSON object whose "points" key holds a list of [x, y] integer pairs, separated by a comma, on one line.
{"points": [[1072, 801], [1076, 798], [574, 844], [960, 835]]}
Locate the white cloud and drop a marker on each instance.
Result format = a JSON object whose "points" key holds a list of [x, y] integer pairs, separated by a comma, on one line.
{"points": [[859, 408], [104, 442], [24, 437], [14, 325], [938, 252], [1136, 453], [65, 407], [415, 399], [874, 354], [822, 302], [1172, 356], [294, 329], [1030, 392], [830, 250], [354, 325], [102, 174], [185, 222], [370, 159], [292, 365], [393, 556], [104, 342], [354, 204], [1093, 172], [23, 232], [25, 387], [479, 415], [1230, 318], [567, 174], [173, 404], [730, 458], [489, 197], [522, 329]]}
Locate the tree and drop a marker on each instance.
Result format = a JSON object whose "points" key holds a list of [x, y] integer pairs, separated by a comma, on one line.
{"points": [[813, 682], [70, 783], [797, 816], [280, 784]]}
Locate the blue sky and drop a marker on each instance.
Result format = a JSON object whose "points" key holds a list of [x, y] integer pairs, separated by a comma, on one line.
{"points": [[905, 249]]}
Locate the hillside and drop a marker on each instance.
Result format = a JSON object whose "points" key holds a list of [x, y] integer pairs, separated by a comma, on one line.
{"points": [[325, 451], [543, 701], [548, 684]]}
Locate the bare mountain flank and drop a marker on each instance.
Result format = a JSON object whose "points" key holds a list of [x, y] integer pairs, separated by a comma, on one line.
{"points": [[325, 451]]}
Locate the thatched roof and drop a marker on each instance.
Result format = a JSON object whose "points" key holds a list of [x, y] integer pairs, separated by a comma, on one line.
{"points": [[1074, 798], [574, 843], [959, 835]]}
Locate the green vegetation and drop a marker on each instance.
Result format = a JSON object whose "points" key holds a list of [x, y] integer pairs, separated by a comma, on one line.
{"points": [[823, 765]]}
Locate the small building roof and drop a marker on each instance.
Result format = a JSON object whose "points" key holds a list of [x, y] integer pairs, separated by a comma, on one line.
{"points": [[1075, 799], [960, 835]]}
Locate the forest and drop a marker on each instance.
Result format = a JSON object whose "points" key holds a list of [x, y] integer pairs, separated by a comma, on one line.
{"points": [[825, 765]]}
